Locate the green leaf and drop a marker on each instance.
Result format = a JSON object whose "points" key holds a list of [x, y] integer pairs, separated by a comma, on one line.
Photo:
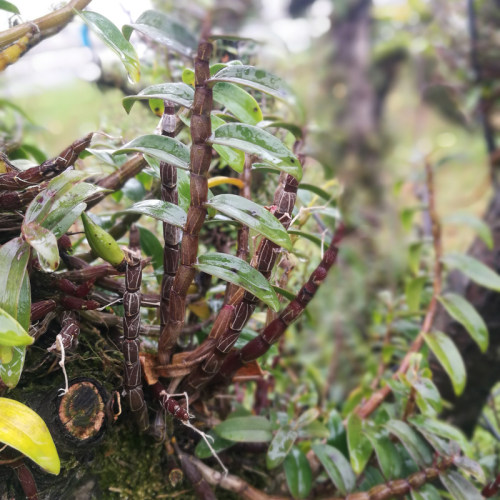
{"points": [[337, 467], [9, 7], [450, 358], [482, 229], [57, 207], [308, 236], [218, 444], [239, 272], [45, 243], [426, 492], [160, 210], [413, 292], [164, 148], [314, 430], [474, 270], [233, 157], [15, 298], [178, 93], [463, 311], [280, 447], [151, 246], [254, 140], [114, 39], [470, 467], [164, 30], [387, 455], [427, 396], [427, 426], [316, 190], [249, 429], [458, 487], [298, 474], [414, 251], [45, 201], [252, 215], [11, 332], [22, 429], [360, 447], [256, 78], [239, 102], [291, 127], [415, 446]]}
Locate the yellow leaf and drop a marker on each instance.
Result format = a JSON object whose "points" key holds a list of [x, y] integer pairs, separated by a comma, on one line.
{"points": [[22, 429]]}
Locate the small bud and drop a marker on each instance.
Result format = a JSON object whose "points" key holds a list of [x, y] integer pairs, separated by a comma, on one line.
{"points": [[102, 243]]}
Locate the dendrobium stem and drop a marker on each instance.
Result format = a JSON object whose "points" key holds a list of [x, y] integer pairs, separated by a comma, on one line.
{"points": [[201, 155]]}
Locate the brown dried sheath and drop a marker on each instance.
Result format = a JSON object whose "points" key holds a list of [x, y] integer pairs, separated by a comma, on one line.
{"points": [[171, 234], [131, 326], [19, 180], [201, 154], [258, 346], [265, 258]]}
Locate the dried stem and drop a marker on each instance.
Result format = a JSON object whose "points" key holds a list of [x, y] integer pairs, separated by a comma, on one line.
{"points": [[230, 482], [201, 155], [258, 346], [220, 342], [375, 400], [13, 181]]}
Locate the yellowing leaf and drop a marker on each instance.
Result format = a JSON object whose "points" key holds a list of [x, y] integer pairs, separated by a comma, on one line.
{"points": [[22, 429]]}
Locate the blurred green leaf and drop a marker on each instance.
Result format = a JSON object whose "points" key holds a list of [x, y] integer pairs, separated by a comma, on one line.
{"points": [[291, 127], [252, 215], [163, 29], [251, 429], [463, 311], [427, 396], [255, 141], [360, 447], [482, 229], [427, 425], [426, 492], [413, 291], [22, 429], [337, 467], [387, 455], [114, 39], [239, 272], [164, 148], [9, 7], [298, 473], [218, 444], [470, 467], [415, 446], [280, 447], [473, 269], [314, 430], [450, 358], [178, 93], [458, 487]]}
